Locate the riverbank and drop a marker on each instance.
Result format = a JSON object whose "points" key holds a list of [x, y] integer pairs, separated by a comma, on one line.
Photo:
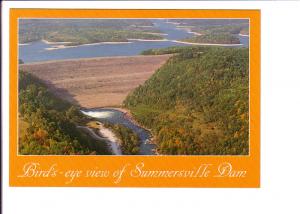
{"points": [[104, 134], [246, 35], [128, 115], [119, 120], [112, 138]]}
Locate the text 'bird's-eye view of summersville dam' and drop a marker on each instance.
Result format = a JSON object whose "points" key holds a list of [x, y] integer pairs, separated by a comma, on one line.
{"points": [[133, 87]]}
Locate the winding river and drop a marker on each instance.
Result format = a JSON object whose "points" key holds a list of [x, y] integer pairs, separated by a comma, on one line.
{"points": [[115, 116], [40, 51]]}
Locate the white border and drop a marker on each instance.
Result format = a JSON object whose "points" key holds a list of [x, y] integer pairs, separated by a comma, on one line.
{"points": [[280, 118]]}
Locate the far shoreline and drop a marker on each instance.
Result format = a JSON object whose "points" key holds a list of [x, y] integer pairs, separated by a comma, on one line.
{"points": [[206, 44], [62, 45], [57, 47], [145, 40]]}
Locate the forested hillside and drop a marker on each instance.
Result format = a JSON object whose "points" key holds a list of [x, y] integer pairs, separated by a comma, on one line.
{"points": [[78, 32], [214, 39], [129, 140], [215, 26], [96, 35], [215, 31], [47, 124], [197, 103]]}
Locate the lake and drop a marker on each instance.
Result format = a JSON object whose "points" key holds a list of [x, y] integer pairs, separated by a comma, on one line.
{"points": [[36, 51]]}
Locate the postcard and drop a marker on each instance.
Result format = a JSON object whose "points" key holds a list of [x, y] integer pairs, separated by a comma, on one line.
{"points": [[134, 98]]}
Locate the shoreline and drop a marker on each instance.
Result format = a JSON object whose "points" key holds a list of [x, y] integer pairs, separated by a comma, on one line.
{"points": [[185, 26], [195, 33], [191, 32], [100, 43], [145, 26], [149, 40], [112, 139], [174, 23], [188, 29], [111, 136], [56, 47], [22, 44], [162, 34], [50, 43], [246, 35], [128, 115], [105, 135], [205, 44]]}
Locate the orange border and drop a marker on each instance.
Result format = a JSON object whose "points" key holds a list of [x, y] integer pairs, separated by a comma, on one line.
{"points": [[249, 163]]}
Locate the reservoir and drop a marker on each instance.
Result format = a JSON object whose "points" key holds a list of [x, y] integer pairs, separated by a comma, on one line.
{"points": [[37, 51]]}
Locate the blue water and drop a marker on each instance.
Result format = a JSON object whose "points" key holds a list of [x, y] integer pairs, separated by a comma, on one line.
{"points": [[36, 51], [113, 116]]}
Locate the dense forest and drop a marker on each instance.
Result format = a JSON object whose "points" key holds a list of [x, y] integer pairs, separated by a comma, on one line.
{"points": [[197, 103], [229, 29], [130, 142], [215, 31], [75, 36], [78, 32], [48, 125], [216, 26], [214, 39]]}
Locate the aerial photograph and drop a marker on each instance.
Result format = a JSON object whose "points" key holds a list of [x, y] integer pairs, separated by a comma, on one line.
{"points": [[133, 87]]}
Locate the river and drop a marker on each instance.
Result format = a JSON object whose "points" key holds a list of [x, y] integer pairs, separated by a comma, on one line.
{"points": [[39, 51], [114, 116]]}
